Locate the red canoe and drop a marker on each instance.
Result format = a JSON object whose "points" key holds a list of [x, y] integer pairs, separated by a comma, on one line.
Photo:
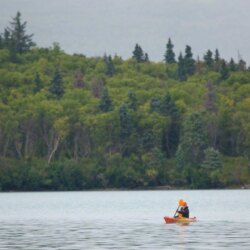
{"points": [[179, 220]]}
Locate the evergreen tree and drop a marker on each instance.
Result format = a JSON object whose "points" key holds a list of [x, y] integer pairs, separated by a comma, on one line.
{"points": [[56, 87], [168, 107], [232, 65], [210, 168], [17, 33], [224, 72], [105, 102], [181, 69], [208, 58], [171, 136], [146, 58], [241, 65], [138, 54], [217, 61], [169, 56], [212, 159], [1, 42], [9, 44], [192, 142], [189, 62], [7, 39], [217, 56], [110, 69], [126, 124]]}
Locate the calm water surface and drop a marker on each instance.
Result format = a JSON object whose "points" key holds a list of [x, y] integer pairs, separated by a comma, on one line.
{"points": [[123, 220]]}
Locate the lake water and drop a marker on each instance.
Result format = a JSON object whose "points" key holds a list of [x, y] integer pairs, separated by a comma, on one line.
{"points": [[124, 220]]}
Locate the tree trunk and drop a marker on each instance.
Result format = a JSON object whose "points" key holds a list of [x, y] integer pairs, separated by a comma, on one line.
{"points": [[54, 147]]}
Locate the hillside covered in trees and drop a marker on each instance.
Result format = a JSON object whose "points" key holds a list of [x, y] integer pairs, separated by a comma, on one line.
{"points": [[68, 122]]}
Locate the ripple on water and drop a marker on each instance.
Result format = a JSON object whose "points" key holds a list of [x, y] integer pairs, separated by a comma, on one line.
{"points": [[80, 235]]}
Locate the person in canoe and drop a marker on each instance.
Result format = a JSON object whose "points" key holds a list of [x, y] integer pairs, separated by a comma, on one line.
{"points": [[181, 214], [184, 212]]}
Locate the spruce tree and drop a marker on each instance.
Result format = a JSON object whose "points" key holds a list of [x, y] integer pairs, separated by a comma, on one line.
{"points": [[1, 42], [241, 65], [169, 56], [110, 69], [217, 56], [189, 61], [193, 141], [232, 65], [56, 87], [224, 72], [217, 61], [181, 70], [138, 54], [126, 124], [146, 57], [168, 107], [212, 160], [208, 59], [21, 42], [171, 136]]}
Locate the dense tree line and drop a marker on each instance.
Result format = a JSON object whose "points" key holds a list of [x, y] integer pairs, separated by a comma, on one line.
{"points": [[68, 122]]}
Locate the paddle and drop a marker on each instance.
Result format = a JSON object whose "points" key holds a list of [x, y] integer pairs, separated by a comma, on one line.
{"points": [[180, 204], [176, 210]]}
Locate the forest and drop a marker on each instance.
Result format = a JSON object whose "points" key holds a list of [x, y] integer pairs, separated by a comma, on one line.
{"points": [[72, 122]]}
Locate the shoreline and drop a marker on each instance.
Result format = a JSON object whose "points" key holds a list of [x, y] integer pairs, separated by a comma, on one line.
{"points": [[158, 188]]}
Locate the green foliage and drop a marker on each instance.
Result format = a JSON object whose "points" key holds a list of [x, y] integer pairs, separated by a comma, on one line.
{"points": [[38, 83], [126, 122], [132, 101], [105, 102], [56, 87], [193, 141], [212, 160], [115, 123], [155, 105], [171, 136]]}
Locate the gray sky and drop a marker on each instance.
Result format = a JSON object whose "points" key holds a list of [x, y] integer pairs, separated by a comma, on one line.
{"points": [[95, 27]]}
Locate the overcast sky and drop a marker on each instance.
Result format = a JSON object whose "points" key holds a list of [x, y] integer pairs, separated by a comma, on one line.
{"points": [[95, 27]]}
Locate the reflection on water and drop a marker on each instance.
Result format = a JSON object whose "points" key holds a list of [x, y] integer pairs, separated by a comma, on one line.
{"points": [[119, 220]]}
